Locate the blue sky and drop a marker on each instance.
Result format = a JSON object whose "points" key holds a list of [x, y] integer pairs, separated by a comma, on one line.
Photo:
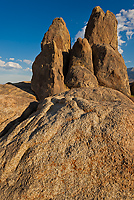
{"points": [[24, 23]]}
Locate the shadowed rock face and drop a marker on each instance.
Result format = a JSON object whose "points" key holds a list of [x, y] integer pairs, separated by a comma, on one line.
{"points": [[132, 88], [81, 73], [81, 54], [78, 145], [79, 76], [48, 78], [102, 28], [110, 69]]}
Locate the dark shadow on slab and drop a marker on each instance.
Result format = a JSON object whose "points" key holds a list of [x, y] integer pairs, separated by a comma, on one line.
{"points": [[25, 86], [13, 124]]}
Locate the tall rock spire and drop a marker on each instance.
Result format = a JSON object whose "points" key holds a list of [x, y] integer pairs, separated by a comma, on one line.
{"points": [[102, 28]]}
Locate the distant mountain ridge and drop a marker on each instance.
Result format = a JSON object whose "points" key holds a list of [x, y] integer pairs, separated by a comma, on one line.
{"points": [[130, 72]]}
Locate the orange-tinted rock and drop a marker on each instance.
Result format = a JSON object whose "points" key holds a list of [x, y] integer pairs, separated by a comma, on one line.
{"points": [[48, 78], [14, 99], [60, 34], [78, 145], [102, 28], [110, 69]]}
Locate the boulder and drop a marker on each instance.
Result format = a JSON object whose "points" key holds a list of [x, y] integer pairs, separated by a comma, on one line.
{"points": [[110, 69], [60, 34], [102, 28], [77, 145], [14, 99], [79, 76], [47, 68], [81, 54]]}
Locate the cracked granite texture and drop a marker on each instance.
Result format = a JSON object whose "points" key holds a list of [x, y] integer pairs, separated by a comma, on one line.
{"points": [[77, 145]]}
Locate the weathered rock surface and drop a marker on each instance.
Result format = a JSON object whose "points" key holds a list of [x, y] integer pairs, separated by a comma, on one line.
{"points": [[81, 54], [60, 34], [79, 76], [81, 72], [14, 99], [48, 78], [78, 145], [102, 28], [110, 69]]}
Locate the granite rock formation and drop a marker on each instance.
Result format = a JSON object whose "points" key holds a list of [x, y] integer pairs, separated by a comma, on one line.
{"points": [[60, 34], [102, 28], [81, 72], [108, 65], [77, 145], [51, 65], [79, 76], [81, 54], [48, 78], [110, 69]]}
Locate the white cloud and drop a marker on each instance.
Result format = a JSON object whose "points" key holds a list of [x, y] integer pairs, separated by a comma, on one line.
{"points": [[2, 63], [28, 69], [9, 65], [128, 61], [11, 59], [125, 25], [80, 33], [12, 65], [0, 57], [120, 50], [19, 60], [27, 61]]}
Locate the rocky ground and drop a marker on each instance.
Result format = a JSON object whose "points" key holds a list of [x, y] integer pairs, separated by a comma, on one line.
{"points": [[77, 145], [14, 99]]}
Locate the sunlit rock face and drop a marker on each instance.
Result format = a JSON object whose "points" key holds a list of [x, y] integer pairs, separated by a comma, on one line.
{"points": [[78, 144], [102, 28]]}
